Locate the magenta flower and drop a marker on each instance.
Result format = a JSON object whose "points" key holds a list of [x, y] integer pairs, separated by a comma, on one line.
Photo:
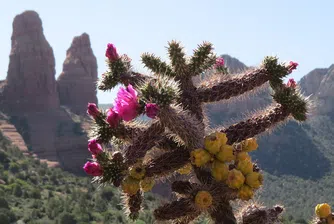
{"points": [[94, 147], [113, 118], [92, 110], [291, 83], [219, 62], [111, 52], [126, 103], [93, 168], [151, 110], [292, 66]]}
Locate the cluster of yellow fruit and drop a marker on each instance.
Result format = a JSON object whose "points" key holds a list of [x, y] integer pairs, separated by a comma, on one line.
{"points": [[136, 180], [323, 211], [230, 163]]}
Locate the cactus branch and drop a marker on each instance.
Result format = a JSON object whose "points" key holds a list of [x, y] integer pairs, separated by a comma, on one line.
{"points": [[143, 142], [223, 214], [174, 210], [232, 87], [256, 125], [202, 59], [177, 58], [190, 130], [155, 64], [167, 162]]}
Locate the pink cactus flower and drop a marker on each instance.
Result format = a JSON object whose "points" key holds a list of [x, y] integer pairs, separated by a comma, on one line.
{"points": [[291, 83], [151, 110], [126, 103], [219, 62], [111, 52], [292, 66], [94, 147], [113, 118], [93, 168], [92, 110]]}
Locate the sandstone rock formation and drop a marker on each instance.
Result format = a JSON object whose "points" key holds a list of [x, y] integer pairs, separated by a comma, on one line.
{"points": [[30, 99], [77, 82], [30, 83]]}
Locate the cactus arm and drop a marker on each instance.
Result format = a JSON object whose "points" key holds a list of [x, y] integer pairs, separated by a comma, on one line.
{"points": [[143, 142], [202, 59], [256, 125], [237, 86], [124, 131], [168, 162], [155, 64], [178, 59], [270, 70], [223, 214], [174, 210], [133, 205], [289, 102], [182, 123]]}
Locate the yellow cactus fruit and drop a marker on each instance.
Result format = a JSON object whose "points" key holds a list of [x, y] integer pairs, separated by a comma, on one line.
{"points": [[245, 166], [323, 210], [203, 199], [186, 169], [130, 185], [221, 138], [254, 179], [243, 156], [200, 157], [137, 171], [235, 179], [212, 143], [245, 193], [226, 154], [219, 170], [147, 184], [249, 145]]}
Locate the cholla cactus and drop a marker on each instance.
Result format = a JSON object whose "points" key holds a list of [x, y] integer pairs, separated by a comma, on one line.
{"points": [[177, 140]]}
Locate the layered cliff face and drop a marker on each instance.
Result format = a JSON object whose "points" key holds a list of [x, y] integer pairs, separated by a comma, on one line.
{"points": [[30, 84], [77, 82], [30, 98]]}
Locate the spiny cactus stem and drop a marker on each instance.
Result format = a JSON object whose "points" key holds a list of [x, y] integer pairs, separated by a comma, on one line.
{"points": [[223, 214], [256, 125], [190, 99], [133, 78], [174, 210], [232, 87], [183, 187], [190, 130], [143, 142], [167, 162]]}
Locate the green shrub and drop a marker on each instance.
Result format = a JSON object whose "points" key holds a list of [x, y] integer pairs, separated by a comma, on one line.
{"points": [[14, 167], [6, 216], [17, 190], [67, 218], [3, 203], [107, 193]]}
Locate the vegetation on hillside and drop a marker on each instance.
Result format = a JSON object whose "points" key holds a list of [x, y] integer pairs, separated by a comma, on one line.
{"points": [[36, 194]]}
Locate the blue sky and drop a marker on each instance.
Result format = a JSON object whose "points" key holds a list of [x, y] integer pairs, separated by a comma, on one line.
{"points": [[248, 30]]}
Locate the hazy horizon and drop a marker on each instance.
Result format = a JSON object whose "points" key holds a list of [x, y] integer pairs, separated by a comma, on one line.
{"points": [[248, 31]]}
